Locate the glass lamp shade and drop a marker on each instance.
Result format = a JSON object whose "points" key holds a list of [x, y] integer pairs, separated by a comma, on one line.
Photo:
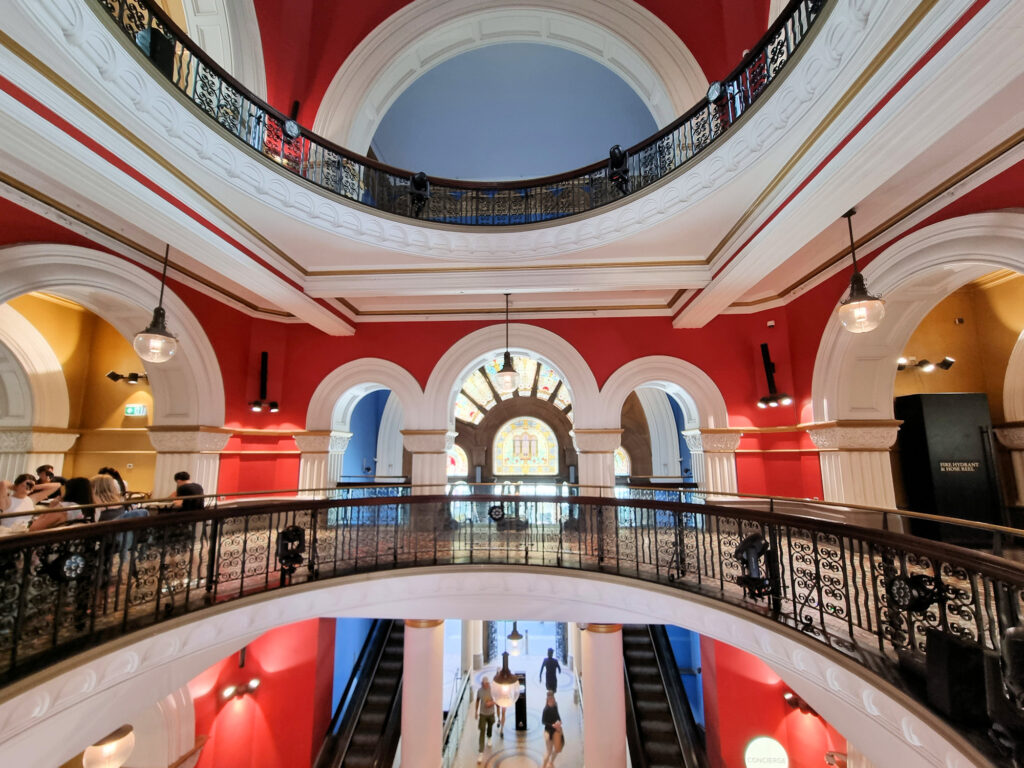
{"points": [[155, 344], [111, 752], [508, 376], [515, 641], [505, 685], [861, 312]]}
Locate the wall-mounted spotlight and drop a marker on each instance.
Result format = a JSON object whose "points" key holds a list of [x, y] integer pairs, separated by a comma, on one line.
{"points": [[774, 398], [924, 365], [230, 691], [797, 703], [131, 378], [258, 406]]}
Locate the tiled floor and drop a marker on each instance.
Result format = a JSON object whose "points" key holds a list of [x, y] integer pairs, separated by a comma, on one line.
{"points": [[525, 749]]}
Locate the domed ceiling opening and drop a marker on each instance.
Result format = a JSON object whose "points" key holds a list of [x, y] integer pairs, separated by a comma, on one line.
{"points": [[511, 111]]}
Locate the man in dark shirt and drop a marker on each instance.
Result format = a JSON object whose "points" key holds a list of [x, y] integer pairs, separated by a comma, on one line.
{"points": [[550, 669], [187, 488], [46, 477]]}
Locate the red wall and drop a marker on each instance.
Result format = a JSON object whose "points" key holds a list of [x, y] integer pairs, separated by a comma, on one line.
{"points": [[743, 700], [283, 722]]}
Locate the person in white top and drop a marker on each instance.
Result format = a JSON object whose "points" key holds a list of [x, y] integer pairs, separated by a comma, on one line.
{"points": [[16, 497]]}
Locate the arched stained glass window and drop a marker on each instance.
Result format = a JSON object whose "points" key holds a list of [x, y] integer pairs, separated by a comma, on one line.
{"points": [[525, 446], [622, 466], [536, 379], [458, 463]]}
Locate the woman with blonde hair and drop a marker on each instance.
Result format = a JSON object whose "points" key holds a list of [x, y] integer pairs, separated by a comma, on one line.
{"points": [[105, 490]]}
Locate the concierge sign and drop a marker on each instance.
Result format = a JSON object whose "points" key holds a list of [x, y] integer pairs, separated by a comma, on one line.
{"points": [[765, 752]]}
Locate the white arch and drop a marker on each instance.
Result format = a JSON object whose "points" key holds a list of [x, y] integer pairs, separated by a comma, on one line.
{"points": [[110, 684], [187, 390], [389, 439], [36, 391], [336, 396], [661, 427], [472, 350], [229, 31], [1013, 383], [854, 374], [654, 62], [699, 397]]}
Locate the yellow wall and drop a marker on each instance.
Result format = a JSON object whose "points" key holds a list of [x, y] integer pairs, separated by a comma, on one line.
{"points": [[176, 10], [88, 347]]}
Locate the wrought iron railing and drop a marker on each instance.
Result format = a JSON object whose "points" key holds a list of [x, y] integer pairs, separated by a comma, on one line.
{"points": [[354, 177]]}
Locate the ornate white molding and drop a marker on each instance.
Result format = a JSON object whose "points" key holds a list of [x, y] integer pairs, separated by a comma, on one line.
{"points": [[418, 441], [698, 440], [316, 442], [849, 437], [194, 440], [622, 35], [72, 28], [30, 441], [90, 695], [32, 376], [229, 32], [1011, 437], [596, 440]]}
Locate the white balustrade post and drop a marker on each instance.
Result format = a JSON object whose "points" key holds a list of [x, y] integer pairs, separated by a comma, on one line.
{"points": [[195, 450], [856, 466], [422, 693], [604, 702]]}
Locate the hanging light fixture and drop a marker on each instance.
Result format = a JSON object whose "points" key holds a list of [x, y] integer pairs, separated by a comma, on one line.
{"points": [[505, 685], [111, 752], [508, 377], [156, 344], [515, 641], [860, 312]]}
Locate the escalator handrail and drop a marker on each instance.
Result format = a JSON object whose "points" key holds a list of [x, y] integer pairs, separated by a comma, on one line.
{"points": [[678, 702], [343, 723], [637, 754], [384, 755]]}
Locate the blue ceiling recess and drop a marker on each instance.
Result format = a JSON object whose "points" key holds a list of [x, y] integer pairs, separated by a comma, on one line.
{"points": [[511, 111]]}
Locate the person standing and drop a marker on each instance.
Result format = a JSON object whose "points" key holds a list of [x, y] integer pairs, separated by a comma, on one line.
{"points": [[484, 715], [553, 735], [549, 668]]}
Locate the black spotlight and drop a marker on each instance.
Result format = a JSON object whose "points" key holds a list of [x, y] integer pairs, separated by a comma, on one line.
{"points": [[618, 169], [945, 363], [419, 191], [114, 376]]}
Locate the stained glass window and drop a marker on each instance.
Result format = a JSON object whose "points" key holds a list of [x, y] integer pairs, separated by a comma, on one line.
{"points": [[466, 411], [525, 446], [527, 368], [476, 387], [621, 462], [562, 399], [547, 382], [458, 463]]}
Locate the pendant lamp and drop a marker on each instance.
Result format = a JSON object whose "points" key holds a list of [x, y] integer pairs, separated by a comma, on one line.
{"points": [[860, 312], [111, 752], [515, 641], [508, 377], [155, 344], [505, 685]]}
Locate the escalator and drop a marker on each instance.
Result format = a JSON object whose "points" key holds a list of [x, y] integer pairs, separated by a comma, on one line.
{"points": [[661, 731], [365, 729]]}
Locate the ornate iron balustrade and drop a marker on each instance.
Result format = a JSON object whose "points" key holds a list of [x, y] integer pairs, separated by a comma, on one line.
{"points": [[354, 177], [870, 594]]}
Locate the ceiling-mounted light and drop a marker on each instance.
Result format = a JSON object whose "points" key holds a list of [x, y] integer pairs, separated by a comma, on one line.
{"points": [[861, 311], [945, 363], [111, 752], [505, 686], [926, 365], [515, 641], [155, 344], [508, 377], [774, 398]]}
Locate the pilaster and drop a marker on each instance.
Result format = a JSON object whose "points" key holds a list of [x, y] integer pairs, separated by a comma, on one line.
{"points": [[314, 460], [24, 449], [195, 450], [855, 462], [596, 450], [429, 449], [1012, 438], [713, 458]]}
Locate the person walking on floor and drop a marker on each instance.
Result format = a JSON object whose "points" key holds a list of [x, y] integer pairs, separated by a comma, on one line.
{"points": [[485, 715], [550, 668], [553, 735]]}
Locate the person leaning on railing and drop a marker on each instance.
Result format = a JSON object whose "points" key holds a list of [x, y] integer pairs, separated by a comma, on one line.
{"points": [[77, 492]]}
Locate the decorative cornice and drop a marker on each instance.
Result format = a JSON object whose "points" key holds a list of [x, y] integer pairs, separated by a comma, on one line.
{"points": [[428, 440], [855, 438], [596, 440], [318, 442], [189, 440], [712, 440], [36, 441]]}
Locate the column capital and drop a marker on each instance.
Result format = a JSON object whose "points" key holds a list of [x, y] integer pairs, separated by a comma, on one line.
{"points": [[188, 439], [596, 440], [428, 440], [36, 440], [604, 629], [313, 442], [423, 623], [854, 435], [712, 440]]}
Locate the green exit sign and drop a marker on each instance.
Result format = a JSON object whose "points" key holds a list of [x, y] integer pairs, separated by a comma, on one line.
{"points": [[135, 410]]}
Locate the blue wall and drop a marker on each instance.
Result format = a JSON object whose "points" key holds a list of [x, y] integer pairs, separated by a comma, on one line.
{"points": [[349, 636], [684, 451], [364, 426], [686, 647]]}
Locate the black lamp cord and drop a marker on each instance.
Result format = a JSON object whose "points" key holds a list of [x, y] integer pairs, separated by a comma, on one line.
{"points": [[853, 251], [163, 276], [506, 321]]}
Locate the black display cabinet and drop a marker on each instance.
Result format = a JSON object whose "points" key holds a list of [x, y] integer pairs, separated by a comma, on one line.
{"points": [[521, 703], [948, 469]]}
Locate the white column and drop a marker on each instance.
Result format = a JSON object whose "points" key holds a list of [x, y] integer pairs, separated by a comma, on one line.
{"points": [[604, 702], [1012, 438], [195, 450], [23, 449], [476, 637], [336, 456], [854, 759], [856, 467], [429, 449], [422, 693], [314, 460], [469, 628], [596, 450], [713, 459], [573, 630], [165, 733]]}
